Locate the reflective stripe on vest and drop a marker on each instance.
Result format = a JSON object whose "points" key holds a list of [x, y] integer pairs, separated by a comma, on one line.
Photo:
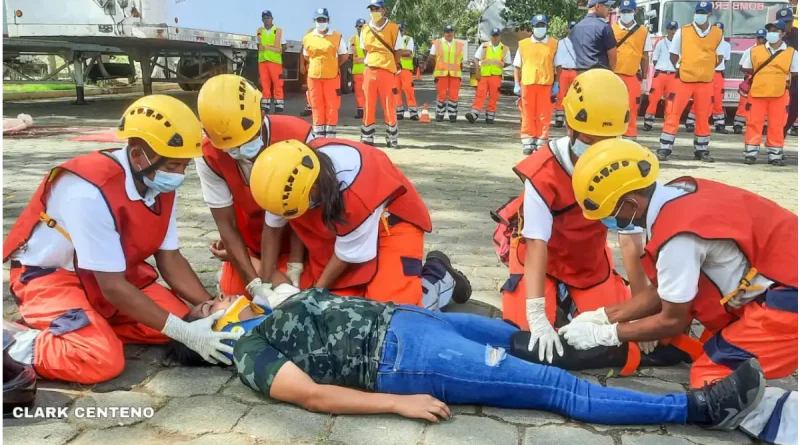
{"points": [[271, 41], [407, 63], [538, 61], [629, 55], [358, 55], [699, 54], [771, 79], [493, 60], [322, 54], [448, 62]]}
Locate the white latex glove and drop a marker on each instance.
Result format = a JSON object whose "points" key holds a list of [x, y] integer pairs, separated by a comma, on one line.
{"points": [[293, 272], [281, 293], [200, 338], [258, 289], [542, 331], [648, 346], [589, 335], [597, 316]]}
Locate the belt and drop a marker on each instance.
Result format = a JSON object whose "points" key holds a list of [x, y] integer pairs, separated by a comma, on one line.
{"points": [[665, 72]]}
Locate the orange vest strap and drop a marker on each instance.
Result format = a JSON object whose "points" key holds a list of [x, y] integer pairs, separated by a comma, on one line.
{"points": [[634, 358], [688, 345]]}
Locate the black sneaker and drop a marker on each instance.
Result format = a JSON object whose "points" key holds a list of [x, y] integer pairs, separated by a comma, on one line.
{"points": [[527, 151], [306, 112], [700, 155], [414, 117], [689, 128], [647, 127], [401, 116], [470, 117], [793, 131], [737, 129], [359, 114], [489, 121], [278, 110], [662, 154], [749, 160], [439, 118], [777, 162], [725, 403], [558, 124], [463, 289], [721, 130], [453, 118]]}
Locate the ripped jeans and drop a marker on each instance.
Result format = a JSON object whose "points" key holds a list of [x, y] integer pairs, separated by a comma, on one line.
{"points": [[461, 359]]}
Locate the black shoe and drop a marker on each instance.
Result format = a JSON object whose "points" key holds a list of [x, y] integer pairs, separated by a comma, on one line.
{"points": [[793, 131], [439, 118], [401, 116], [558, 124], [490, 121], [721, 130], [453, 119], [278, 110], [703, 156], [462, 290], [647, 127], [737, 129], [689, 128], [777, 162], [415, 117], [305, 112], [662, 154], [392, 144], [470, 117], [749, 160], [359, 114], [527, 151], [370, 143], [725, 403]]}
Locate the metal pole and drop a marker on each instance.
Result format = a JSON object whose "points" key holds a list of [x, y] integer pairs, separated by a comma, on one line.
{"points": [[77, 74], [144, 62]]}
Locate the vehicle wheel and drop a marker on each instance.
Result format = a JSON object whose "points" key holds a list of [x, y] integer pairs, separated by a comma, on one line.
{"points": [[185, 86]]}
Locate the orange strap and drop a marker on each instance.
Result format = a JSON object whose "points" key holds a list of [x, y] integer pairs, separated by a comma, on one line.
{"points": [[385, 222], [745, 285], [706, 336], [53, 224], [688, 345], [634, 358]]}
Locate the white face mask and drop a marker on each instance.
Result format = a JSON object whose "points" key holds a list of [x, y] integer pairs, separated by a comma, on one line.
{"points": [[322, 27], [248, 150], [700, 19], [539, 33], [773, 37], [579, 147], [626, 17]]}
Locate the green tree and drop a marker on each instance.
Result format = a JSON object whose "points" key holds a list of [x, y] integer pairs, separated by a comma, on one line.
{"points": [[560, 12], [425, 19]]}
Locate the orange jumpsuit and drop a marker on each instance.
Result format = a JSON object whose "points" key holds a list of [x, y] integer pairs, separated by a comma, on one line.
{"points": [[629, 61], [662, 86], [405, 85], [380, 81], [324, 82], [491, 68], [447, 75], [565, 80], [270, 67], [538, 76], [717, 111]]}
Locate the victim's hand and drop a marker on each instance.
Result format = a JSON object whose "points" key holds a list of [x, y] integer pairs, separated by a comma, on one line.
{"points": [[217, 248], [422, 406]]}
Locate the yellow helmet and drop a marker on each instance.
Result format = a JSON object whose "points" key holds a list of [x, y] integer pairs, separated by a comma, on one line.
{"points": [[230, 110], [282, 177], [597, 104], [168, 126], [608, 170]]}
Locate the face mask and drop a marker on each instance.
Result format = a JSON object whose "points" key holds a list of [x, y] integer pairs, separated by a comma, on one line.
{"points": [[247, 151], [539, 32], [700, 19], [773, 37], [376, 16], [579, 147], [613, 224], [627, 17], [162, 182], [322, 27]]}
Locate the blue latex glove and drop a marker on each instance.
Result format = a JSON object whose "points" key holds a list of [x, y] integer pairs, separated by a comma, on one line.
{"points": [[554, 91], [517, 89]]}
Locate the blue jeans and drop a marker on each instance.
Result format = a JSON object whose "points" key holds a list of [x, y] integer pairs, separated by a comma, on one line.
{"points": [[461, 359]]}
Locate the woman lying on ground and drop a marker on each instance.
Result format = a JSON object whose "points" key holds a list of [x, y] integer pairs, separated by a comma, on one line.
{"points": [[355, 356]]}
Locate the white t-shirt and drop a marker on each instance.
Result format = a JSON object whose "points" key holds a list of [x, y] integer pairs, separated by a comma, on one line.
{"points": [[661, 56], [682, 258], [360, 245], [410, 46], [518, 55], [283, 35], [648, 41], [565, 55], [445, 43], [480, 51], [675, 47], [216, 193], [342, 44], [80, 208], [747, 61], [726, 55]]}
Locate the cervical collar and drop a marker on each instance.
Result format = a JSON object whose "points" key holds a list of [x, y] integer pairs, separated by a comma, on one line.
{"points": [[229, 322]]}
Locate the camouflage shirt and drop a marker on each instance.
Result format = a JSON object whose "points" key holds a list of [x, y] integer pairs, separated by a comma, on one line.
{"points": [[335, 340]]}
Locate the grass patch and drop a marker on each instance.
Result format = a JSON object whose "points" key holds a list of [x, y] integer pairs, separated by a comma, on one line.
{"points": [[31, 87]]}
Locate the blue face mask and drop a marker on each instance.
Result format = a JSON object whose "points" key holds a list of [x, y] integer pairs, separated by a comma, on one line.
{"points": [[611, 223], [579, 147], [700, 19], [626, 17], [248, 150], [773, 37], [162, 182]]}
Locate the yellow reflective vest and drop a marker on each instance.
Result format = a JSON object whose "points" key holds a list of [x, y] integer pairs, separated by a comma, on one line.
{"points": [[271, 41]]}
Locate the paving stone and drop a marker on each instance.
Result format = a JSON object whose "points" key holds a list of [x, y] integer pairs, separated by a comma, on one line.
{"points": [[708, 437], [154, 354], [377, 430], [650, 386], [135, 372], [524, 416], [605, 428], [125, 435], [55, 433], [463, 409], [654, 439], [588, 377], [218, 439], [471, 429], [677, 373], [244, 394], [198, 415], [187, 382], [283, 422], [45, 397], [127, 399], [132, 351], [564, 435]]}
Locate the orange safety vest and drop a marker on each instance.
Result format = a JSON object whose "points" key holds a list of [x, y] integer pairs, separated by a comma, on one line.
{"points": [[698, 54], [630, 54], [379, 181], [765, 232], [448, 61], [538, 61], [358, 55], [271, 41], [378, 56], [576, 252], [141, 229], [249, 215], [770, 80], [323, 54]]}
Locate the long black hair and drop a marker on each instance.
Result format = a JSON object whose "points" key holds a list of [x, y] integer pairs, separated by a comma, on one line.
{"points": [[329, 195]]}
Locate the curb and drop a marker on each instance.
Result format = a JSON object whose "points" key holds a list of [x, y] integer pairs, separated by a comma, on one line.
{"points": [[36, 95]]}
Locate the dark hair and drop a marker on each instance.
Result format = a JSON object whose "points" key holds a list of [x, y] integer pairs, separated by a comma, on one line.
{"points": [[184, 355], [329, 195]]}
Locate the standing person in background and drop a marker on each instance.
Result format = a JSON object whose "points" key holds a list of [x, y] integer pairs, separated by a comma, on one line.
{"points": [[357, 54], [740, 119], [271, 46], [405, 81], [786, 16], [769, 94], [717, 111], [699, 48], [664, 77], [326, 52], [449, 56], [380, 39], [490, 59], [633, 52], [536, 71], [593, 39], [566, 57]]}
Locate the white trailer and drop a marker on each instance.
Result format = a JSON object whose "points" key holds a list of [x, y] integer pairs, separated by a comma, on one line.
{"points": [[189, 40]]}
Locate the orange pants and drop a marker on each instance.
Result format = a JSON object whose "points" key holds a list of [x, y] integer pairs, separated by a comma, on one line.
{"points": [[358, 90], [702, 93], [717, 112], [662, 86], [271, 80], [763, 332], [447, 88], [326, 98], [379, 83], [740, 120], [231, 283], [76, 343], [537, 109], [488, 85], [565, 80], [634, 86], [405, 85], [775, 110], [609, 292]]}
